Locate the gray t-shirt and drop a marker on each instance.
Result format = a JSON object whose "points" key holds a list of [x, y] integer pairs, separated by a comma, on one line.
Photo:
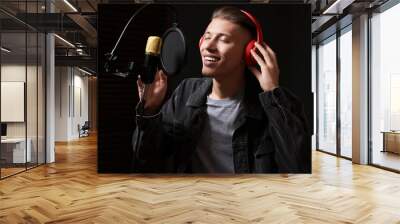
{"points": [[214, 153]]}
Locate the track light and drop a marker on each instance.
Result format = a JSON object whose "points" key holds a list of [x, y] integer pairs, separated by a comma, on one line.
{"points": [[5, 50], [337, 7], [65, 41], [84, 71], [70, 5]]}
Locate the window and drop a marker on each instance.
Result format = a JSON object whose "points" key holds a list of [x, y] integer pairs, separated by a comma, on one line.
{"points": [[327, 95], [346, 93], [385, 88]]}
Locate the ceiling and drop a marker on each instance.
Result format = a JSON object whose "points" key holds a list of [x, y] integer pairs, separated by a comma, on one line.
{"points": [[76, 22]]}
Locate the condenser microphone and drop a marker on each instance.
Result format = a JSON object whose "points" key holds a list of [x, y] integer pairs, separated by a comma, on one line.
{"points": [[151, 59]]}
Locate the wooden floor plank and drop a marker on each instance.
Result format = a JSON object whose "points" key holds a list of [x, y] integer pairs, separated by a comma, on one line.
{"points": [[71, 191]]}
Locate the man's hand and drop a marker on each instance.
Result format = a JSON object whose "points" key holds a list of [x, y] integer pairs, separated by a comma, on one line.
{"points": [[155, 92], [268, 75]]}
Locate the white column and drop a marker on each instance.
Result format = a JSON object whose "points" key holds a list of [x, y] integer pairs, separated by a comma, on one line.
{"points": [[50, 92], [360, 90]]}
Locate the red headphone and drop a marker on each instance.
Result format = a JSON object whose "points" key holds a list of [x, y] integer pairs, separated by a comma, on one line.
{"points": [[247, 53]]}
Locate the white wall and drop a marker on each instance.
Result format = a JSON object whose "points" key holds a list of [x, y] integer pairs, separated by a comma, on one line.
{"points": [[17, 72], [33, 126], [14, 72], [71, 94], [62, 80], [80, 101]]}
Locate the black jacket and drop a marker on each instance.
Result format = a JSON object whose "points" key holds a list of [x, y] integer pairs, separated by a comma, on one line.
{"points": [[272, 136]]}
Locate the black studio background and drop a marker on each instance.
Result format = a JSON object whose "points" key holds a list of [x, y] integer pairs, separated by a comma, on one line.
{"points": [[286, 28]]}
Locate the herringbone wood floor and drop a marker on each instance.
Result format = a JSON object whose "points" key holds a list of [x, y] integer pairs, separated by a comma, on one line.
{"points": [[71, 191]]}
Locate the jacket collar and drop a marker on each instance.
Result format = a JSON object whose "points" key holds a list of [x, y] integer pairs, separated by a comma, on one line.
{"points": [[199, 97], [252, 106]]}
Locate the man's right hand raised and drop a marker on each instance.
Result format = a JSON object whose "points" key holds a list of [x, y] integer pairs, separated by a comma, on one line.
{"points": [[155, 92]]}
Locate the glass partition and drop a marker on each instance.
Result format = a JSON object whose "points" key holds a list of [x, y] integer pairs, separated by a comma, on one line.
{"points": [[32, 85], [22, 88], [14, 153], [327, 95], [41, 87]]}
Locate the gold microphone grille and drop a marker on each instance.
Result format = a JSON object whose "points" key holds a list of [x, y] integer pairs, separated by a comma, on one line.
{"points": [[153, 45]]}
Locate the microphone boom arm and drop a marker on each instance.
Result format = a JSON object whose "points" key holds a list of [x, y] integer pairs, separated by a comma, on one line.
{"points": [[126, 26]]}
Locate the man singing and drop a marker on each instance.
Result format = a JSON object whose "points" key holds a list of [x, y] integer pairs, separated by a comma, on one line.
{"points": [[235, 119]]}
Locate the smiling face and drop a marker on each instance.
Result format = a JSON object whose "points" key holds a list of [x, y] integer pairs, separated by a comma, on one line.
{"points": [[222, 49]]}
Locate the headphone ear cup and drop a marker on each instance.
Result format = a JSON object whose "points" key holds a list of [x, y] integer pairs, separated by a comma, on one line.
{"points": [[248, 57], [201, 41]]}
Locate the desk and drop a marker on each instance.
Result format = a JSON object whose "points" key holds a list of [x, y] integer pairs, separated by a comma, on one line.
{"points": [[15, 148], [391, 141]]}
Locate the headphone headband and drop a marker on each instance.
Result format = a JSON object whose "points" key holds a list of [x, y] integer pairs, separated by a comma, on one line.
{"points": [[256, 23]]}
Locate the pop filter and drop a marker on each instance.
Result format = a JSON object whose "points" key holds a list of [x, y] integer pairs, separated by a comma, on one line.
{"points": [[173, 51]]}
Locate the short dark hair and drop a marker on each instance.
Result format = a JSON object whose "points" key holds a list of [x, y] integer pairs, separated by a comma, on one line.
{"points": [[234, 15]]}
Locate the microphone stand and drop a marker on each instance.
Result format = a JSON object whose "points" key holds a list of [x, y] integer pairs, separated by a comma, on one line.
{"points": [[139, 117], [110, 56]]}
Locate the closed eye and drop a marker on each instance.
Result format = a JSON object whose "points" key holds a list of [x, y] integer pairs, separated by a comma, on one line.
{"points": [[225, 40]]}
